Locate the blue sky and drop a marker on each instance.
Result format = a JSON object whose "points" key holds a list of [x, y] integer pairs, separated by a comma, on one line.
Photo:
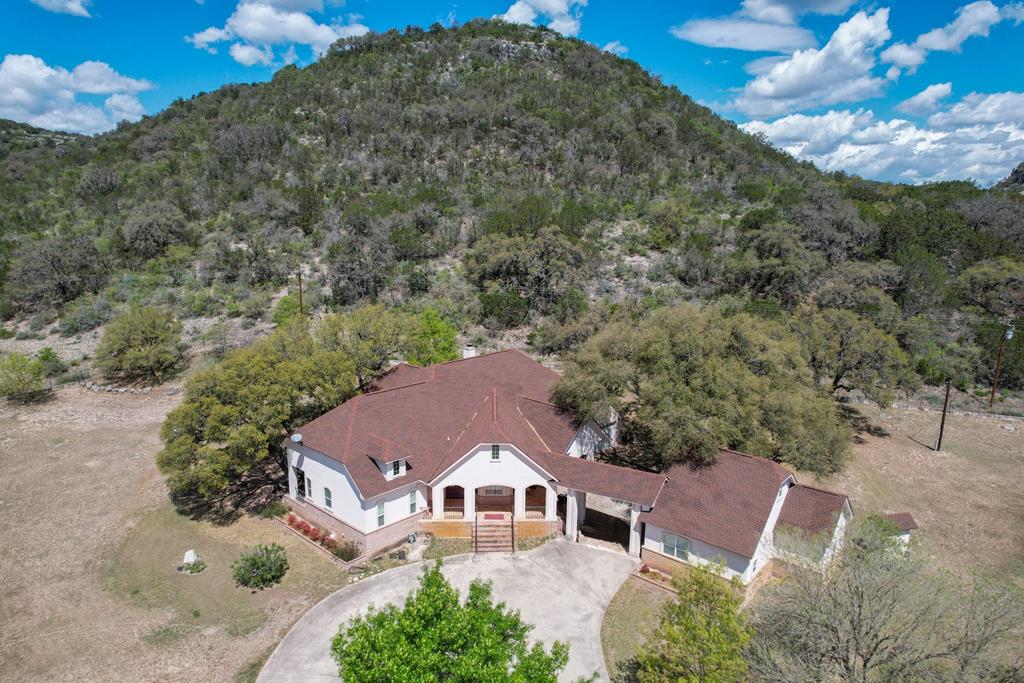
{"points": [[896, 91]]}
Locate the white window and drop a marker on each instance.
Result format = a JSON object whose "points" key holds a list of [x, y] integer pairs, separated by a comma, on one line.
{"points": [[327, 497], [495, 453], [676, 546], [380, 513], [495, 491], [412, 502], [309, 486], [396, 468]]}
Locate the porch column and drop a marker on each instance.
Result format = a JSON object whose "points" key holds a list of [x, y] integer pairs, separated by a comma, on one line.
{"points": [[550, 503], [519, 503], [469, 503], [570, 515], [634, 530], [581, 507], [437, 502]]}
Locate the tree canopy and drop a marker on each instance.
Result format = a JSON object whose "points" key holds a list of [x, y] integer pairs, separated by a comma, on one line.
{"points": [[141, 343], [701, 636], [689, 381], [435, 637], [880, 614]]}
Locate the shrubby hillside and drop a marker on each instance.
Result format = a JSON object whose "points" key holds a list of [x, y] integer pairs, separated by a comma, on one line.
{"points": [[507, 176]]}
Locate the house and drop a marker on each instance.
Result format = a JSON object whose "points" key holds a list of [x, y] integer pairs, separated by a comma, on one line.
{"points": [[904, 523], [476, 445], [728, 514]]}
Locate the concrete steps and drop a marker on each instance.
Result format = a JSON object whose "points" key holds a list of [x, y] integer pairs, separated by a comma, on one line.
{"points": [[493, 537]]}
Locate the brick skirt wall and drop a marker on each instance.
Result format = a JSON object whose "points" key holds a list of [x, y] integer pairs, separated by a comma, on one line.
{"points": [[663, 563], [447, 528], [371, 543], [315, 515], [531, 528]]}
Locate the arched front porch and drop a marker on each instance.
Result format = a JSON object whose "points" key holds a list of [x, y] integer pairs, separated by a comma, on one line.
{"points": [[535, 502]]}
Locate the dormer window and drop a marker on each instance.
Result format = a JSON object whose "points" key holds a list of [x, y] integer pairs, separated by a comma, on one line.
{"points": [[495, 453], [393, 469]]}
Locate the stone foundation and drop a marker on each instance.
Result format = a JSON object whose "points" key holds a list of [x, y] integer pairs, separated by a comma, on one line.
{"points": [[530, 528]]}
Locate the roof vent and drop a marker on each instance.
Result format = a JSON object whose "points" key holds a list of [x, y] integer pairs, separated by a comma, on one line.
{"points": [[297, 438]]}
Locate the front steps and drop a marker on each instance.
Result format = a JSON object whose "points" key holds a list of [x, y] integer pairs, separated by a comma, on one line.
{"points": [[493, 537]]}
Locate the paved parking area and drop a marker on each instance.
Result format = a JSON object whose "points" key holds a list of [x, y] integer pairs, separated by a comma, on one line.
{"points": [[561, 588]]}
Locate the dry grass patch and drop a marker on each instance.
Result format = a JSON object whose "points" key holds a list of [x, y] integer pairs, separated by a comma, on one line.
{"points": [[966, 498], [629, 620]]}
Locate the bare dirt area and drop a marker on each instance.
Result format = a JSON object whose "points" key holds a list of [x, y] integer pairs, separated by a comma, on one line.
{"points": [[90, 544], [966, 498]]}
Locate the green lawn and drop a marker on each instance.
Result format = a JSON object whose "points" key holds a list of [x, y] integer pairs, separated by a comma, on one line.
{"points": [[443, 547]]}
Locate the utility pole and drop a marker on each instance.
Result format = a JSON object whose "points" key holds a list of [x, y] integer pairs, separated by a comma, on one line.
{"points": [[1007, 334], [302, 312], [942, 422]]}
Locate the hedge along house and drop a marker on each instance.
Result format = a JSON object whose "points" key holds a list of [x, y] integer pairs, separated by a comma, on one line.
{"points": [[474, 446]]}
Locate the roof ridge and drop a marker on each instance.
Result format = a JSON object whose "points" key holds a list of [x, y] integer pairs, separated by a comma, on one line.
{"points": [[773, 464], [479, 355], [384, 391], [821, 490], [534, 430]]}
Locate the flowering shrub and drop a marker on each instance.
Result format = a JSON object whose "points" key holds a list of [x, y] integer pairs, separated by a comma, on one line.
{"points": [[347, 551]]}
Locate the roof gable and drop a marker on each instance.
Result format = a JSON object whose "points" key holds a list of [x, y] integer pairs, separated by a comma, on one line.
{"points": [[433, 416], [726, 504]]}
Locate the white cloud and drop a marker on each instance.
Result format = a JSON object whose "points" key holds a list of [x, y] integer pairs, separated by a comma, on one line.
{"points": [[616, 48], [925, 101], [257, 26], [972, 139], [75, 7], [975, 19], [1004, 108], [838, 72], [124, 107], [34, 92], [247, 55], [760, 25], [744, 34], [787, 11], [562, 15], [98, 78]]}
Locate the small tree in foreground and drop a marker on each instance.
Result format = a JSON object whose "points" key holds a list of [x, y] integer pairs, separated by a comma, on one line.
{"points": [[141, 343], [881, 614], [434, 637], [261, 567], [20, 375], [701, 636]]}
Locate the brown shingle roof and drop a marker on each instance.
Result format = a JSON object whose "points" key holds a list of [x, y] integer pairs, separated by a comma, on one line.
{"points": [[435, 415], [904, 520], [811, 509], [726, 504], [605, 479]]}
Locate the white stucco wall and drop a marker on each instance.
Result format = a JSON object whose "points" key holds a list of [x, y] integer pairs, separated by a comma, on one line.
{"points": [[589, 439], [346, 503], [396, 506], [765, 546], [512, 469], [700, 553]]}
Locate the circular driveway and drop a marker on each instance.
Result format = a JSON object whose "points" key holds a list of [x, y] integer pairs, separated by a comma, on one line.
{"points": [[561, 588]]}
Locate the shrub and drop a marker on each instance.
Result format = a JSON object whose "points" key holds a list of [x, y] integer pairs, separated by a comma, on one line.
{"points": [[20, 375], [51, 362], [141, 343], [261, 567], [502, 310], [194, 567], [286, 310], [84, 314], [347, 551], [275, 509]]}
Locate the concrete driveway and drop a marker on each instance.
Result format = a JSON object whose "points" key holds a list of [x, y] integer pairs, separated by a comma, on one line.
{"points": [[561, 588]]}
